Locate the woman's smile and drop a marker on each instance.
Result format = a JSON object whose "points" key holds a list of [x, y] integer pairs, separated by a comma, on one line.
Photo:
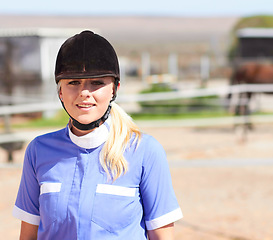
{"points": [[85, 106]]}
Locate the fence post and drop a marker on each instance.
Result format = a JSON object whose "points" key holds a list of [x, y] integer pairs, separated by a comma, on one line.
{"points": [[204, 70], [7, 129], [145, 65]]}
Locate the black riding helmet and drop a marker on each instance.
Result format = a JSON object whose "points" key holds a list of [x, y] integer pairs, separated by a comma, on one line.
{"points": [[87, 55]]}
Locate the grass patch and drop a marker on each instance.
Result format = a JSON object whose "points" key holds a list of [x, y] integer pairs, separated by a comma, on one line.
{"points": [[186, 115], [59, 120], [178, 107]]}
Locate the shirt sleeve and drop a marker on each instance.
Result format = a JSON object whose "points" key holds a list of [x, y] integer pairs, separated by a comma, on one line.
{"points": [[27, 202], [159, 201]]}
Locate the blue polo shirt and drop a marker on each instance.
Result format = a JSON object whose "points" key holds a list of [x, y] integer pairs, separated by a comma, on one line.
{"points": [[65, 191]]}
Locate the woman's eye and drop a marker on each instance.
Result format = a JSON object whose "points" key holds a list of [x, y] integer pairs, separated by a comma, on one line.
{"points": [[97, 82], [74, 82]]}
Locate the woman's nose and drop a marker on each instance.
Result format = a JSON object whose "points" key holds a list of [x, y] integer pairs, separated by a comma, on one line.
{"points": [[85, 93]]}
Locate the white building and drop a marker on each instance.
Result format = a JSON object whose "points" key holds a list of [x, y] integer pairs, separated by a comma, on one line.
{"points": [[27, 60]]}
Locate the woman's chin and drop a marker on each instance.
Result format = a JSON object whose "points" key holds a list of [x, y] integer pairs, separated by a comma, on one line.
{"points": [[85, 120]]}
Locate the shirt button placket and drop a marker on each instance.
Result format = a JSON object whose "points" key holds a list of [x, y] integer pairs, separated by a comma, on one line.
{"points": [[74, 199]]}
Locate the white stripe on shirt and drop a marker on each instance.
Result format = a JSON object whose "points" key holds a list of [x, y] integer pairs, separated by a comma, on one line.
{"points": [[116, 190], [164, 219], [25, 216], [49, 187]]}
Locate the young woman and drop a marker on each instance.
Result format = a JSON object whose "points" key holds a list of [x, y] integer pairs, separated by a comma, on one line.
{"points": [[99, 177]]}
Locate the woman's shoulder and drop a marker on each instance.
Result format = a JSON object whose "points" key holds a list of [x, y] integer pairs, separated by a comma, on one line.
{"points": [[149, 140], [147, 144], [44, 143], [150, 151], [52, 136]]}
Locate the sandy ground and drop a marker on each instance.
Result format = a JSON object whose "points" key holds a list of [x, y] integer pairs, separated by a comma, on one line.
{"points": [[219, 200]]}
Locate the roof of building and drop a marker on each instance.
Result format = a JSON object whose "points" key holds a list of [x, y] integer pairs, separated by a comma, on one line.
{"points": [[40, 32], [255, 33]]}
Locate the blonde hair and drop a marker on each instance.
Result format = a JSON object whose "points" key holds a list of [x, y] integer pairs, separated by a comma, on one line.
{"points": [[122, 130]]}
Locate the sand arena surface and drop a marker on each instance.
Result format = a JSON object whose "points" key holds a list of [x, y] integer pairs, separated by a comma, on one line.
{"points": [[219, 201]]}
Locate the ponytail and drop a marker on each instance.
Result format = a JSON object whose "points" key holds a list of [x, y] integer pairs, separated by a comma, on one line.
{"points": [[121, 131]]}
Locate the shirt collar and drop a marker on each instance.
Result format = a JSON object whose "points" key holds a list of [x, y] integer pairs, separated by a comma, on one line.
{"points": [[93, 139]]}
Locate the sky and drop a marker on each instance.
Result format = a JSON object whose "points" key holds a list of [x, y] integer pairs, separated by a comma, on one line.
{"points": [[183, 8]]}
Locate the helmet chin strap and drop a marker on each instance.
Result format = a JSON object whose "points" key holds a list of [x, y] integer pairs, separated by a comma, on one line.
{"points": [[92, 125]]}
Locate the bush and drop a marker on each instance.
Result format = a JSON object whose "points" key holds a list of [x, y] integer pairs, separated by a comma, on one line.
{"points": [[176, 106], [157, 87]]}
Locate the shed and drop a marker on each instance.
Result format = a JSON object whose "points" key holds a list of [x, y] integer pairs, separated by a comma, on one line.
{"points": [[255, 43]]}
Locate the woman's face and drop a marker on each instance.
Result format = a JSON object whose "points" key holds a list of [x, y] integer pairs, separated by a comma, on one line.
{"points": [[86, 100]]}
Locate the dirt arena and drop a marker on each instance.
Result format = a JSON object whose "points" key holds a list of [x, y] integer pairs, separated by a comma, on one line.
{"points": [[224, 186]]}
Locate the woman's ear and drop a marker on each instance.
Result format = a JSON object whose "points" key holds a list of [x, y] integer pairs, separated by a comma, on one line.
{"points": [[60, 94], [115, 89]]}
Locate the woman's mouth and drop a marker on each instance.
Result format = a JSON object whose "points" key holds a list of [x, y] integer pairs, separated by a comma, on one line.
{"points": [[85, 106]]}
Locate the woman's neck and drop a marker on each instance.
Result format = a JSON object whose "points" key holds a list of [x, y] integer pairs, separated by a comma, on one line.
{"points": [[77, 131]]}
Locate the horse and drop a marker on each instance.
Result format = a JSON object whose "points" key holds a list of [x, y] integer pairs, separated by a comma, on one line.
{"points": [[249, 73]]}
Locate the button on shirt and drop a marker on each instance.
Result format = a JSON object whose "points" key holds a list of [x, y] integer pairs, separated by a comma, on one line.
{"points": [[66, 192]]}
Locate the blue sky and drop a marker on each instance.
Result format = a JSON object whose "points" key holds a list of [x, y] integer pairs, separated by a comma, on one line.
{"points": [[138, 7]]}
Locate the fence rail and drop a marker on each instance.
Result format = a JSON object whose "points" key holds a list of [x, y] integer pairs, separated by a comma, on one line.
{"points": [[9, 137], [129, 98]]}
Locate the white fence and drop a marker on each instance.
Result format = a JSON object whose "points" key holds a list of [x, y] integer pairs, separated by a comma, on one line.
{"points": [[6, 111], [9, 139], [124, 98]]}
